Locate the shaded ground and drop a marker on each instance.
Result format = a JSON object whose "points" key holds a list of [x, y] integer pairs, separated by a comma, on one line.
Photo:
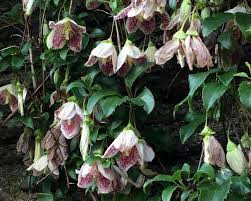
{"points": [[12, 170]]}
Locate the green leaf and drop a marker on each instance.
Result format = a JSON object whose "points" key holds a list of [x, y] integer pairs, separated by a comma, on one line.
{"points": [[241, 184], [195, 81], [45, 197], [245, 94], [96, 97], [210, 24], [205, 170], [56, 2], [213, 191], [63, 53], [168, 192], [227, 77], [145, 99], [158, 178], [188, 130], [172, 4], [185, 195], [17, 62], [155, 198], [27, 121], [244, 23], [135, 72], [109, 104], [88, 79], [12, 50], [211, 93], [97, 33], [242, 74], [225, 40], [77, 84]]}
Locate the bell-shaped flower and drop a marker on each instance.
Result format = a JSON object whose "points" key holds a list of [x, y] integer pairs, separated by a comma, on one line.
{"points": [[195, 50], [14, 95], [65, 31], [105, 53], [128, 56], [84, 139], [130, 150], [28, 6], [70, 117], [98, 174], [235, 158]]}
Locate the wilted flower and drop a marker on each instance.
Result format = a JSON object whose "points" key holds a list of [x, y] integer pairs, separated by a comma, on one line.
{"points": [[196, 52], [96, 173], [214, 153], [14, 95], [131, 150], [84, 140], [28, 6], [70, 117], [63, 31], [24, 141], [56, 146], [236, 158], [106, 54], [128, 56]]}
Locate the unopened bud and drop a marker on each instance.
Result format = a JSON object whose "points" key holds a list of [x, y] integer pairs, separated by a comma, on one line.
{"points": [[205, 13], [185, 9], [84, 140]]}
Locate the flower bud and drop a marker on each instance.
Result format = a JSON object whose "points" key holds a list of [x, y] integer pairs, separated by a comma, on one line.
{"points": [[150, 52], [235, 158], [245, 140], [206, 12], [84, 140], [28, 6], [185, 9]]}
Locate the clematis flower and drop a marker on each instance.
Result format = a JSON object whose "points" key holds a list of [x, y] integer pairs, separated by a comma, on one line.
{"points": [[195, 50], [106, 54], [14, 95], [96, 173], [140, 15], [128, 56], [130, 150], [70, 118], [65, 31]]}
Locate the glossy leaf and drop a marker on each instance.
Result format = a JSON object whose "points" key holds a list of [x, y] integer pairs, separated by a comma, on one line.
{"points": [[245, 94], [168, 192]]}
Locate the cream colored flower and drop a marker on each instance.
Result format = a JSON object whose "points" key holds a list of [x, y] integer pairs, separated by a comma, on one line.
{"points": [[128, 56], [105, 53]]}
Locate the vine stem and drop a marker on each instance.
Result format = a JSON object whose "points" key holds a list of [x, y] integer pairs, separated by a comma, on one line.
{"points": [[70, 7], [118, 37]]}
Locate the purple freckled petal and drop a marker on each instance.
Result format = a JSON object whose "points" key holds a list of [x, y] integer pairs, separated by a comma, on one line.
{"points": [[123, 13], [84, 182], [70, 128], [147, 26], [110, 152], [132, 24], [92, 4], [141, 60], [122, 72], [75, 41], [164, 19], [13, 104], [104, 185], [107, 67], [91, 61], [58, 40], [125, 161], [2, 97]]}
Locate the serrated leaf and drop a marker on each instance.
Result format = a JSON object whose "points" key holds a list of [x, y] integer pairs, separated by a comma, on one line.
{"points": [[210, 191], [245, 94], [168, 192], [135, 72], [211, 93], [96, 97], [210, 24], [109, 104], [145, 99]]}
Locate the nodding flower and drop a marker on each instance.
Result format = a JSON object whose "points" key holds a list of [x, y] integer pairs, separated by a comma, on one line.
{"points": [[65, 31]]}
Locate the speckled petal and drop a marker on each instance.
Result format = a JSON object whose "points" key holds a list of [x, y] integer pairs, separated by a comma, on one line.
{"points": [[128, 159], [111, 151], [70, 128], [123, 13], [104, 185], [86, 175], [132, 24], [55, 39], [147, 26]]}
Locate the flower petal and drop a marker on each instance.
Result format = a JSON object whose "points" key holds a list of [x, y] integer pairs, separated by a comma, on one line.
{"points": [[40, 164], [147, 26], [111, 151], [86, 175], [104, 185], [70, 128], [123, 13], [146, 153], [166, 52], [106, 172], [129, 159], [106, 66], [126, 140], [149, 8], [3, 97], [55, 40], [132, 24]]}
